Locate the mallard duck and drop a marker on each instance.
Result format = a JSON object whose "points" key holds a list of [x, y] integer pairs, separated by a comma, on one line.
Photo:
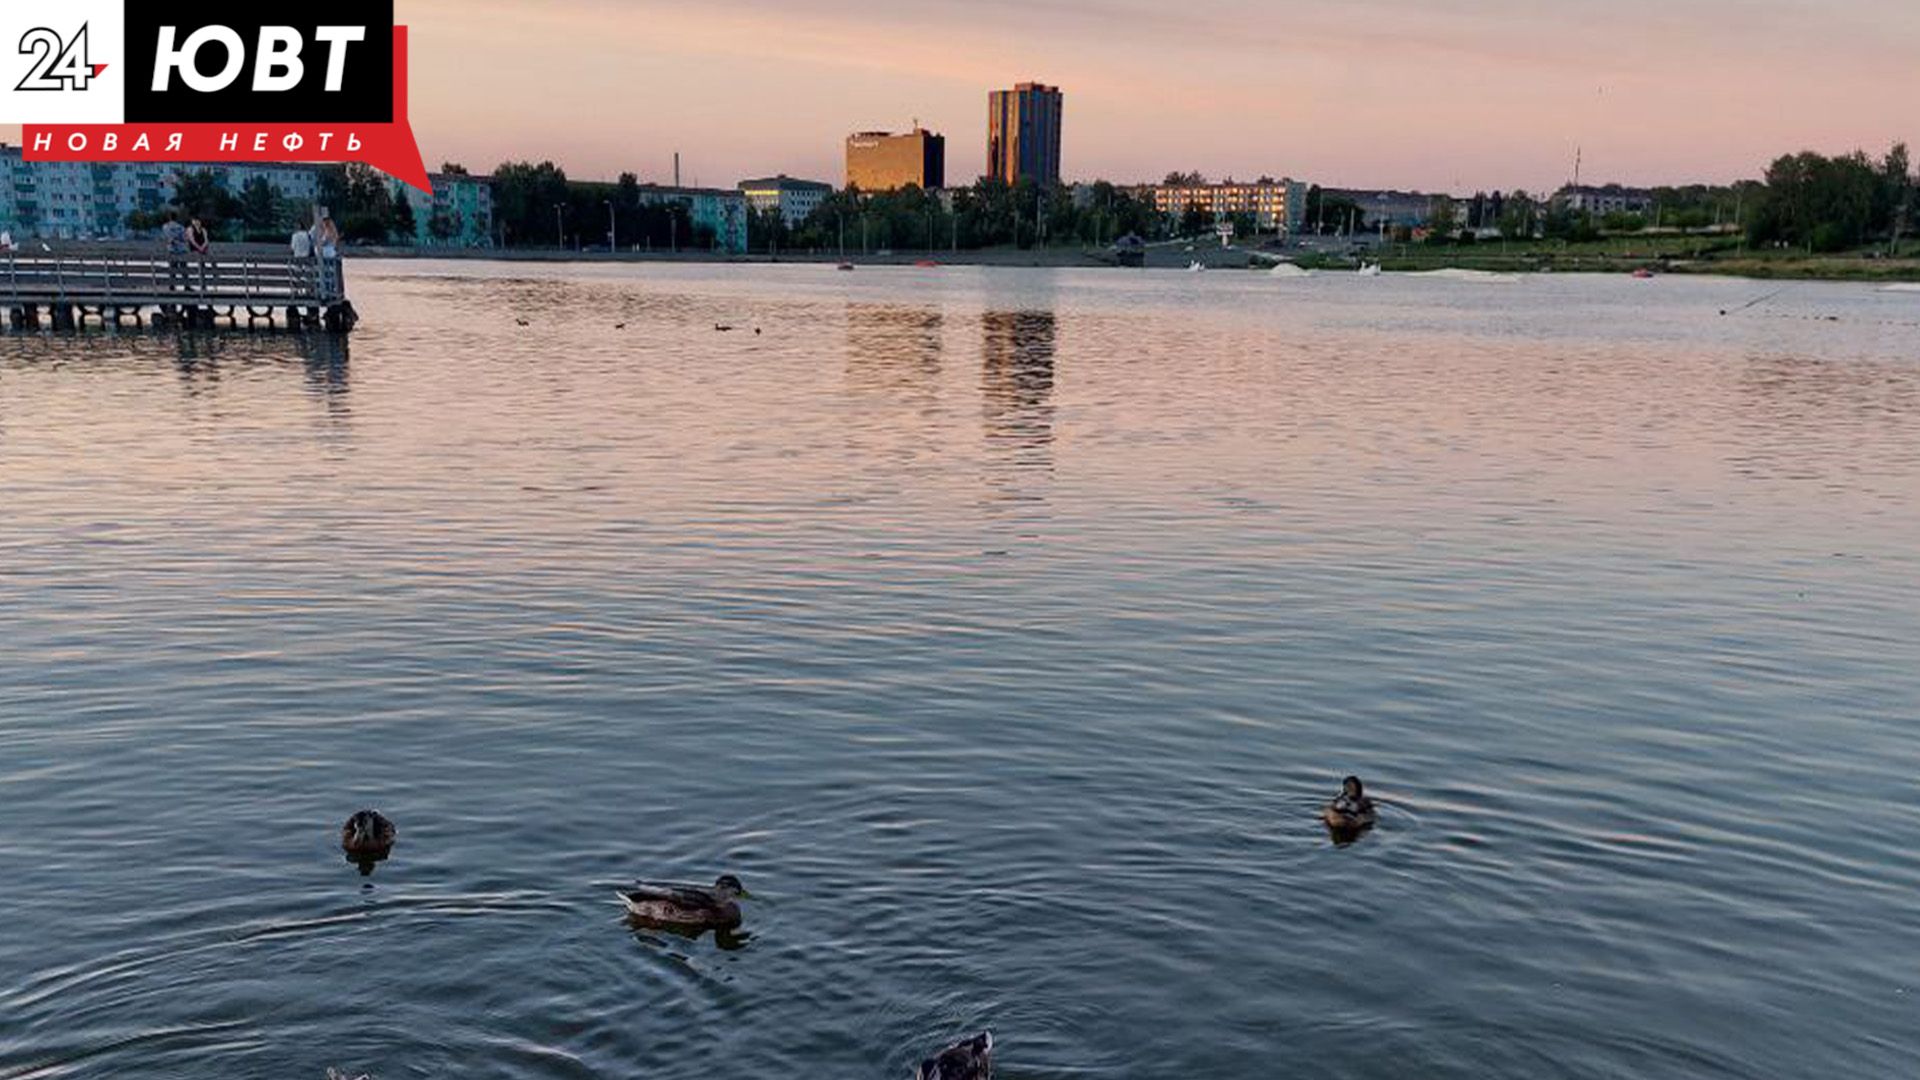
{"points": [[969, 1060], [693, 906], [1351, 810], [367, 835]]}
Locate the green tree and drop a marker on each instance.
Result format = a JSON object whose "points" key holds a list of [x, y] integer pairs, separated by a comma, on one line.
{"points": [[1195, 220], [202, 194], [260, 204], [1517, 216], [524, 197], [1340, 213], [402, 225]]}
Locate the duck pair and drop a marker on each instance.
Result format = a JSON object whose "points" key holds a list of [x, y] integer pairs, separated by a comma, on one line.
{"points": [[697, 907]]}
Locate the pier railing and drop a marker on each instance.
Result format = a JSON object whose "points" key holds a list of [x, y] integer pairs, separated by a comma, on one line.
{"points": [[120, 277]]}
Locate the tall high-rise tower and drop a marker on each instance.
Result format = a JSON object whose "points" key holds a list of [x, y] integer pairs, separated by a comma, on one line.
{"points": [[1023, 134]]}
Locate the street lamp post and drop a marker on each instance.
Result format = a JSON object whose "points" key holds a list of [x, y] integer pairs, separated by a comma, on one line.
{"points": [[559, 230], [613, 231]]}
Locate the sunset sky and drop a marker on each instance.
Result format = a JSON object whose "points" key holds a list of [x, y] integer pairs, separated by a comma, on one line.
{"points": [[1433, 94], [1456, 94]]}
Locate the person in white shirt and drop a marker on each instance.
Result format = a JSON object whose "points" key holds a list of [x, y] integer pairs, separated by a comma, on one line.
{"points": [[326, 247]]}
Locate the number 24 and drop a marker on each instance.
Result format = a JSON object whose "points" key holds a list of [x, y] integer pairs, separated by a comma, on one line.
{"points": [[57, 65]]}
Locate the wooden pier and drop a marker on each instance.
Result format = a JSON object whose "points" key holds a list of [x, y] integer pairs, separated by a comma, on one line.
{"points": [[67, 283]]}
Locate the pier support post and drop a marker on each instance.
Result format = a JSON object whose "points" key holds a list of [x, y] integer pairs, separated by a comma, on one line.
{"points": [[340, 317]]}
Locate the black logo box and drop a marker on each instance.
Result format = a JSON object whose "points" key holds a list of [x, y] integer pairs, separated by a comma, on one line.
{"points": [[366, 91]]}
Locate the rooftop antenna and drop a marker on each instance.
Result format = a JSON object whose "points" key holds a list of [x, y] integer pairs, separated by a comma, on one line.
{"points": [[676, 168], [1577, 154]]}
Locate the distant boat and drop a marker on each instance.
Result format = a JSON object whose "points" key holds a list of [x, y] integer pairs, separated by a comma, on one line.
{"points": [[1485, 277], [844, 266], [1643, 273], [1195, 267], [1369, 269], [926, 264]]}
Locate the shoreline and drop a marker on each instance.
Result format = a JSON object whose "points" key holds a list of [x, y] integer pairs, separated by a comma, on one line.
{"points": [[1174, 256]]}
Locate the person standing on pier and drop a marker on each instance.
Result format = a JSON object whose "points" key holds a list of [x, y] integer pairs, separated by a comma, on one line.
{"points": [[175, 236], [198, 242], [326, 247]]}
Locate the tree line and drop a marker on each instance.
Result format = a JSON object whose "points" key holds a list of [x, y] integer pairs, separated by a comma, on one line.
{"points": [[1806, 201], [365, 204], [1824, 204], [991, 213]]}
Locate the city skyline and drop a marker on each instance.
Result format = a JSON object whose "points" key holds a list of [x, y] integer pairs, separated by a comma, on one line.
{"points": [[1497, 94]]}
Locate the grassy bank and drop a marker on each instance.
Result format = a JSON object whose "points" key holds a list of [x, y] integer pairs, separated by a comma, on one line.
{"points": [[1665, 254], [1675, 255]]}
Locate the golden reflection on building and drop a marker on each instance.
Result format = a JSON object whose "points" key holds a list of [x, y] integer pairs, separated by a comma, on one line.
{"points": [[1016, 390]]}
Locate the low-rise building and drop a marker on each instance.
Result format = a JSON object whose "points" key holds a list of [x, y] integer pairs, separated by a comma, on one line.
{"points": [[1274, 204], [459, 212], [721, 211], [794, 199], [106, 200], [56, 200], [68, 200], [1385, 207], [1601, 201], [300, 183]]}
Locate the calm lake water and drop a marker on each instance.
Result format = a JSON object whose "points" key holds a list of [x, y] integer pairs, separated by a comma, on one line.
{"points": [[1003, 630]]}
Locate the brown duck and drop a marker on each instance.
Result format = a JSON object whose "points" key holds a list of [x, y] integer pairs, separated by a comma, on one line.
{"points": [[969, 1060], [1351, 810], [367, 835], [690, 906]]}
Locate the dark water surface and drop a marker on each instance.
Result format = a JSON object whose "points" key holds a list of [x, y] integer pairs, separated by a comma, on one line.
{"points": [[1002, 630]]}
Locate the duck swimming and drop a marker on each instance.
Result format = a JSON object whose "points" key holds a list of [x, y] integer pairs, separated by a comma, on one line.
{"points": [[969, 1060], [1351, 810], [689, 906], [367, 838]]}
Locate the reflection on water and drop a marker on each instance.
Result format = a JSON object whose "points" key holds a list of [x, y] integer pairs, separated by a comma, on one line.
{"points": [[198, 356], [1016, 388], [1805, 415], [1017, 677], [894, 348], [649, 932]]}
